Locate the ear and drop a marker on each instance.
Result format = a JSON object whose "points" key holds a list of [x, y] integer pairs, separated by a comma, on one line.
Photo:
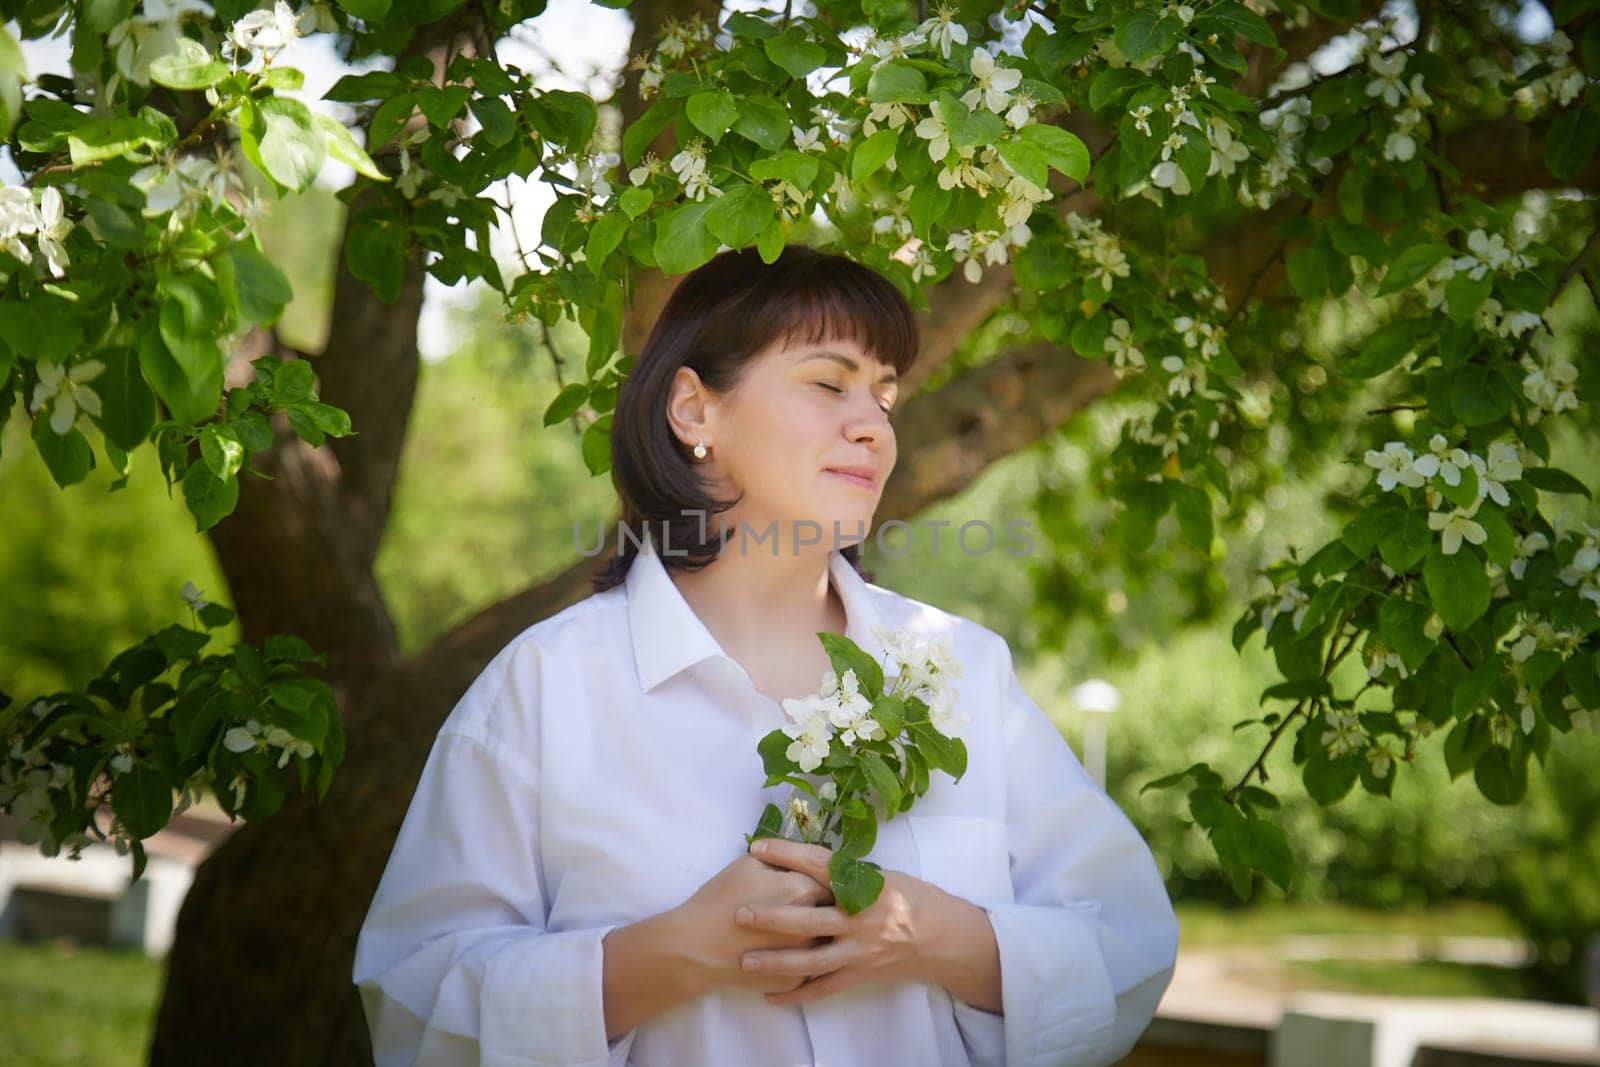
{"points": [[691, 409]]}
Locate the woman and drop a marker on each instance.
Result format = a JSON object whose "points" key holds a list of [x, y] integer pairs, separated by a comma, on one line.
{"points": [[571, 883]]}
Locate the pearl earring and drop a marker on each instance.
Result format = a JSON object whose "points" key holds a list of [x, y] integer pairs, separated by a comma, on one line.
{"points": [[700, 450]]}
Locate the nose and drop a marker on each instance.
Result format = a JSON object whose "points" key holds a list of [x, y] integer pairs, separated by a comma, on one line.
{"points": [[870, 425]]}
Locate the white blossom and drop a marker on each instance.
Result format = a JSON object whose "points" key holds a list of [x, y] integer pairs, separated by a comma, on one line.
{"points": [[69, 390], [1395, 466], [1456, 525], [994, 82], [942, 30]]}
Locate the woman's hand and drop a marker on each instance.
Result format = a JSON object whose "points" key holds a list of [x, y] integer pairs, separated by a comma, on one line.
{"points": [[705, 922], [895, 939]]}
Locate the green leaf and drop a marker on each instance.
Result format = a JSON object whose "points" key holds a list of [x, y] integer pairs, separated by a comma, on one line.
{"points": [[292, 381], [604, 237], [263, 290], [737, 217], [796, 168], [1026, 159], [209, 498], [567, 402], [1411, 266], [1465, 744], [773, 749], [969, 128], [222, 452], [289, 147], [372, 11], [871, 154], [1267, 850], [771, 242], [1387, 347], [1328, 780], [341, 145], [1405, 541], [882, 780], [187, 401], [142, 799], [712, 112], [68, 455], [596, 445], [1193, 508], [642, 133], [1143, 36], [1400, 624], [856, 883], [375, 252], [769, 825], [1500, 776], [190, 67], [683, 241], [845, 655], [128, 407], [1062, 150], [948, 754], [441, 104], [794, 52], [1242, 21], [1554, 480], [1298, 689], [194, 718], [897, 81], [636, 200], [1458, 586], [764, 121]]}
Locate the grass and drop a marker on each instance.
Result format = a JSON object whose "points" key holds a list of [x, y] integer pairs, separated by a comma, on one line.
{"points": [[69, 1005], [1429, 978], [1208, 926]]}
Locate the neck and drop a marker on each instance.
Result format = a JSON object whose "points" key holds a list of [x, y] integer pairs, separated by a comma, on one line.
{"points": [[749, 599]]}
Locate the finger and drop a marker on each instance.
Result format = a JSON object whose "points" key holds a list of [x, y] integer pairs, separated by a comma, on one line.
{"points": [[798, 962], [825, 985], [799, 921], [795, 856]]}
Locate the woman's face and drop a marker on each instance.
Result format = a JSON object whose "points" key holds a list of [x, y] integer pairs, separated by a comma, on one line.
{"points": [[790, 432]]}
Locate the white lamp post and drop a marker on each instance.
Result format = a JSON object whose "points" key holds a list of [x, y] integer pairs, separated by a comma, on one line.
{"points": [[1100, 698]]}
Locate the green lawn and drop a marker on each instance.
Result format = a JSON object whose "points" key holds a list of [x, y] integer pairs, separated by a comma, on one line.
{"points": [[1422, 979], [65, 1005], [1208, 926]]}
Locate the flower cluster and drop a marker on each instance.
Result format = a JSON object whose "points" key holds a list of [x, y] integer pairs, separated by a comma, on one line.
{"points": [[1551, 381], [1345, 733], [1559, 85], [44, 223], [678, 38], [1396, 465], [1389, 84], [253, 736], [840, 710]]}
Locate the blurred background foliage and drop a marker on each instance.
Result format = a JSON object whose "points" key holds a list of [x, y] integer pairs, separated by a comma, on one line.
{"points": [[488, 498]]}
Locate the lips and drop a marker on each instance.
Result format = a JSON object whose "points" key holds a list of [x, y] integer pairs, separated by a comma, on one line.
{"points": [[865, 477]]}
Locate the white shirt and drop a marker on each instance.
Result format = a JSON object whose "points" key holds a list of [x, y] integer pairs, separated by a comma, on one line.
{"points": [[603, 767]]}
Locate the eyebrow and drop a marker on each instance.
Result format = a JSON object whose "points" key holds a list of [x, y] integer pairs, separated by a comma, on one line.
{"points": [[851, 364]]}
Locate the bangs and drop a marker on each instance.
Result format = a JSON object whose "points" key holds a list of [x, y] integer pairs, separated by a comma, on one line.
{"points": [[820, 302]]}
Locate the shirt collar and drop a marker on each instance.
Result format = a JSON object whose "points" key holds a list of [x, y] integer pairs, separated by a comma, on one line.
{"points": [[668, 637]]}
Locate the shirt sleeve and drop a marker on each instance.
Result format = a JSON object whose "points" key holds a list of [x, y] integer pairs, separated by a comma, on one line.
{"points": [[453, 963], [1088, 948]]}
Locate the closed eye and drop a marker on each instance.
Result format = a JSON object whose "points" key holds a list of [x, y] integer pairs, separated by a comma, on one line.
{"points": [[888, 409]]}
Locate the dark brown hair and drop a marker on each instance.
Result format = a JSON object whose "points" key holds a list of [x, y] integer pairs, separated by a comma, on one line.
{"points": [[717, 319]]}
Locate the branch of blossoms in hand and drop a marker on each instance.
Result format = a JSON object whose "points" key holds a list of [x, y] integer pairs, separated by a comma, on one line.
{"points": [[876, 730]]}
